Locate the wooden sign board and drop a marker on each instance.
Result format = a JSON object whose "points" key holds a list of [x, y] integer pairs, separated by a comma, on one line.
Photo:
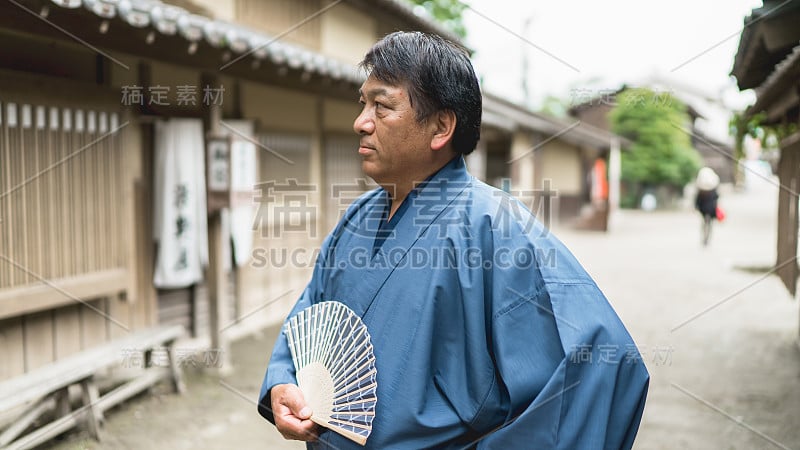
{"points": [[218, 172]]}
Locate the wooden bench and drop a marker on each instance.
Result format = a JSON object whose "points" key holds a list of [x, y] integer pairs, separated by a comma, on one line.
{"points": [[47, 388]]}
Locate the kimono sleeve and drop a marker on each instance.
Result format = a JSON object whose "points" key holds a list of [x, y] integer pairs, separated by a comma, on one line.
{"points": [[593, 397]]}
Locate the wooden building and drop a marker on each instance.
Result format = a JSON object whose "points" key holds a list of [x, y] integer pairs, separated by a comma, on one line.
{"points": [[768, 61], [84, 88]]}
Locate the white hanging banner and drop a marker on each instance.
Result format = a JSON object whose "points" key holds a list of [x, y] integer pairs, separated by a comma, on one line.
{"points": [[243, 181], [180, 223]]}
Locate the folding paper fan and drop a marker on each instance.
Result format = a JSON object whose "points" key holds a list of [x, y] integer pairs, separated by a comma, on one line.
{"points": [[335, 366]]}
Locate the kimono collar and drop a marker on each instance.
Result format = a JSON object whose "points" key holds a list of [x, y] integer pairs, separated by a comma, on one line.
{"points": [[455, 170], [429, 201]]}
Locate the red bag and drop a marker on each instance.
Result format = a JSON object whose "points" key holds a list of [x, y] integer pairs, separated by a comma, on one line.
{"points": [[720, 214]]}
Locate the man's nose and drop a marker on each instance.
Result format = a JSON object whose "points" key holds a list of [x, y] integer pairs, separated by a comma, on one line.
{"points": [[364, 124]]}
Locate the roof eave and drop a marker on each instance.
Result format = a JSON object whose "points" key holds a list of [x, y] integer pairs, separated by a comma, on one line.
{"points": [[238, 41], [576, 132], [779, 90]]}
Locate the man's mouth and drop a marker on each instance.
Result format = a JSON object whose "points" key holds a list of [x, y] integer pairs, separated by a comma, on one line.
{"points": [[365, 149]]}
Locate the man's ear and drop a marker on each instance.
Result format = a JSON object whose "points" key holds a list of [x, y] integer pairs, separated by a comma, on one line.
{"points": [[445, 125]]}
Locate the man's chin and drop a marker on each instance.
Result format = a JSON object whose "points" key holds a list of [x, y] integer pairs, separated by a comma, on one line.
{"points": [[370, 170]]}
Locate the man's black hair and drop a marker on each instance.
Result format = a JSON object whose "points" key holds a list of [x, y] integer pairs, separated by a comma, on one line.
{"points": [[438, 76]]}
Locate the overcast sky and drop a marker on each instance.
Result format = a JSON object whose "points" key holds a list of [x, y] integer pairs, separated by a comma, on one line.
{"points": [[597, 45]]}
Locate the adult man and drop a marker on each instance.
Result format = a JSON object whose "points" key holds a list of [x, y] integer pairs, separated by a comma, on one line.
{"points": [[487, 332]]}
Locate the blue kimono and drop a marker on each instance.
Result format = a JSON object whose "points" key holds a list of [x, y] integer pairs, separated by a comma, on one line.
{"points": [[487, 332]]}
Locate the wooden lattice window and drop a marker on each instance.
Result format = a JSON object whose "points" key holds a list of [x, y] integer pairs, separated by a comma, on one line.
{"points": [[61, 194]]}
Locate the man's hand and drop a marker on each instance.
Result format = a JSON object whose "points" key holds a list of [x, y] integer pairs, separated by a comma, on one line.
{"points": [[292, 415]]}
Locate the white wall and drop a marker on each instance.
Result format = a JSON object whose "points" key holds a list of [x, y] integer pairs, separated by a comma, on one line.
{"points": [[561, 163]]}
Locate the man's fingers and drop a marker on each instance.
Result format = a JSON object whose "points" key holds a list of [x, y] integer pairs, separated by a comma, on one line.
{"points": [[301, 430], [294, 399], [297, 405], [304, 413], [292, 414]]}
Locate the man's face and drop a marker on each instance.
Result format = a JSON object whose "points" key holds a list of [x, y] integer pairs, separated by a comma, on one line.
{"points": [[394, 147]]}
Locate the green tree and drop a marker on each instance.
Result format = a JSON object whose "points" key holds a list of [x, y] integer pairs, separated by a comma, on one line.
{"points": [[743, 125], [446, 12], [661, 153], [554, 106]]}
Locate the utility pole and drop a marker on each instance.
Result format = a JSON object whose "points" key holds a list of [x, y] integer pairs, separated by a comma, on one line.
{"points": [[526, 94]]}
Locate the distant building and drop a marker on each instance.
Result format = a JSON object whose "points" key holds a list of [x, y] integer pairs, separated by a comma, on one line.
{"points": [[708, 119], [569, 168]]}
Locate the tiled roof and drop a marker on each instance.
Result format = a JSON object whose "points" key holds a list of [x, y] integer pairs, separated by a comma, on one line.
{"points": [[570, 130], [767, 37], [171, 20], [779, 83], [792, 60]]}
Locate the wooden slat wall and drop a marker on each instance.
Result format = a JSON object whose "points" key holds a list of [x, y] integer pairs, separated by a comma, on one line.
{"points": [[119, 309], [11, 341], [60, 195], [788, 214], [175, 307], [67, 324], [201, 314], [94, 320], [63, 204], [32, 340], [38, 338], [295, 147], [145, 311]]}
